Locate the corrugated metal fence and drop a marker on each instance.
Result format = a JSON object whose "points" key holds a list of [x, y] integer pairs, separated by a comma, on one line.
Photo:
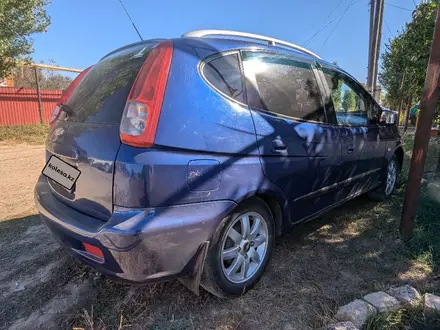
{"points": [[19, 106]]}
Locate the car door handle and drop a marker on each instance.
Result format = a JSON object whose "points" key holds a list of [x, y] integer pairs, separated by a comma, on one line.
{"points": [[278, 146], [350, 148]]}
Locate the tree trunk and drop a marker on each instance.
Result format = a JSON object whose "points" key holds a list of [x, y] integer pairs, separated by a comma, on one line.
{"points": [[406, 117]]}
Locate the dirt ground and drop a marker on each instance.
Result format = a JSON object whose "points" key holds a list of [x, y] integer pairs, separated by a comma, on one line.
{"points": [[30, 257], [326, 263], [20, 165]]}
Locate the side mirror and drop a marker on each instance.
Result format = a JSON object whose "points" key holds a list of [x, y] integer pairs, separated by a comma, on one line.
{"points": [[388, 118]]}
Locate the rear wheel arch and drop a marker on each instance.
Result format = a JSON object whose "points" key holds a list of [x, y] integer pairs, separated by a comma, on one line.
{"points": [[213, 277], [390, 179], [275, 208], [399, 155], [274, 204]]}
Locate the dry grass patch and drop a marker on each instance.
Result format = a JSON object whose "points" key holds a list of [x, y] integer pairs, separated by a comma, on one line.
{"points": [[323, 264], [33, 134], [403, 319]]}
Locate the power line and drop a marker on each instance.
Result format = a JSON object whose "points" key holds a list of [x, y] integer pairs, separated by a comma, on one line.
{"points": [[340, 19], [322, 28], [129, 17], [324, 24], [388, 27], [330, 22], [389, 4]]}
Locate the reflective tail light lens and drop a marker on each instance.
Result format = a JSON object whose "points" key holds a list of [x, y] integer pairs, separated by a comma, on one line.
{"points": [[135, 118], [55, 113], [144, 104]]}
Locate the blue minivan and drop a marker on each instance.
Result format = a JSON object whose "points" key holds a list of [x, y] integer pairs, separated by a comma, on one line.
{"points": [[185, 158]]}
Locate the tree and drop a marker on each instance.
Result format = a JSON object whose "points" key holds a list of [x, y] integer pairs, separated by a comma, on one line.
{"points": [[336, 84], [384, 100], [349, 101], [24, 77], [337, 93], [18, 20], [406, 56]]}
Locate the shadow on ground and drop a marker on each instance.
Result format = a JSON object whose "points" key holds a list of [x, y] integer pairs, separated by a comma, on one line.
{"points": [[38, 279], [323, 264]]}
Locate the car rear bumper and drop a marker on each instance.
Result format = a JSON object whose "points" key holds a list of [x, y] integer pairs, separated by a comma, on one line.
{"points": [[138, 245]]}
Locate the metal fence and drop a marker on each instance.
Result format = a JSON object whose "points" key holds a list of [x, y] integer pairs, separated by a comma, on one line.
{"points": [[35, 93], [19, 106]]}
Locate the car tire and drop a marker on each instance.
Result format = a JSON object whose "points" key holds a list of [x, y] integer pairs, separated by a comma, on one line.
{"points": [[389, 183], [241, 249]]}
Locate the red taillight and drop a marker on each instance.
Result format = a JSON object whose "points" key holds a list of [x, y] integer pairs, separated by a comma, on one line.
{"points": [[93, 250], [55, 113], [144, 103], [66, 95]]}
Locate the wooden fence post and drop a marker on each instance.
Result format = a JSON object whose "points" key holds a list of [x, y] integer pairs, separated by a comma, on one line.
{"points": [[40, 104], [428, 105]]}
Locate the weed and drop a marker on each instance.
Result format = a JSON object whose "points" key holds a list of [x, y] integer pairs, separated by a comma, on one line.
{"points": [[403, 319], [33, 134]]}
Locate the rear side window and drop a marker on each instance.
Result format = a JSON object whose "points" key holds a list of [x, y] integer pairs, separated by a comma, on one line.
{"points": [[224, 74], [101, 96], [282, 85]]}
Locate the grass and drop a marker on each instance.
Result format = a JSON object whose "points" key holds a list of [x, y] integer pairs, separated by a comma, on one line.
{"points": [[349, 252], [425, 244], [423, 250], [323, 264], [402, 320], [32, 134], [346, 254], [431, 156]]}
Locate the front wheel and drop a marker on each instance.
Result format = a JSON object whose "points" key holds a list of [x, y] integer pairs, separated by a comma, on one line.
{"points": [[387, 187], [242, 249]]}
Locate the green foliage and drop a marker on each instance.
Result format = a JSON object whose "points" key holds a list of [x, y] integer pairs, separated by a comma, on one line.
{"points": [[403, 319], [406, 56], [349, 100], [336, 91], [18, 20], [384, 100], [336, 95]]}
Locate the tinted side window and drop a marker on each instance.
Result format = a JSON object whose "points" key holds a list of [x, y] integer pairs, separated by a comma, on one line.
{"points": [[225, 75], [351, 104], [280, 84]]}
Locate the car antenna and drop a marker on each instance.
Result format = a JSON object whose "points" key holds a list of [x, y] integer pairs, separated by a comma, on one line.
{"points": [[129, 17]]}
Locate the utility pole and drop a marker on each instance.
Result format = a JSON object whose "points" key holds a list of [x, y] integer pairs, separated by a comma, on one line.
{"points": [[376, 19], [379, 19], [422, 136], [370, 47]]}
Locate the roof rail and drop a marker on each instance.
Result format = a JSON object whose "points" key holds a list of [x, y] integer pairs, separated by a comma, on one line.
{"points": [[271, 41]]}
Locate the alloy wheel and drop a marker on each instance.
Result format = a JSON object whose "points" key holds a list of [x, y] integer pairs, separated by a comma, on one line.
{"points": [[244, 247], [391, 177]]}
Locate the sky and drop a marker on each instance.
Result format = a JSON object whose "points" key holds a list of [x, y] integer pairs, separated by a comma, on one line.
{"points": [[82, 31]]}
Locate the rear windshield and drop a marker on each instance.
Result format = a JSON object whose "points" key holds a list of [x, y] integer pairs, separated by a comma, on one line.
{"points": [[101, 96]]}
